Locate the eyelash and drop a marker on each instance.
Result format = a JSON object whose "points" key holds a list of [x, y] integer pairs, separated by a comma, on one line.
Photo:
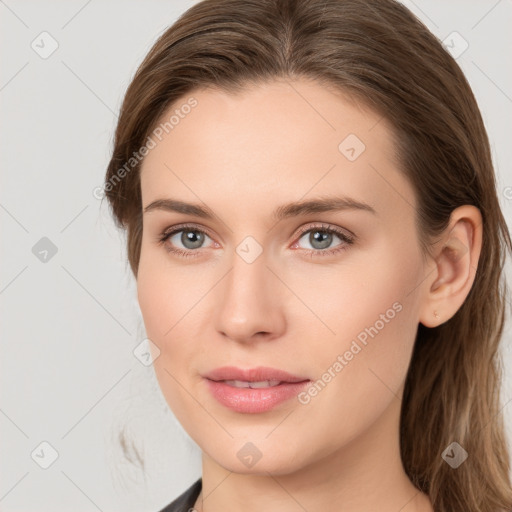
{"points": [[191, 253]]}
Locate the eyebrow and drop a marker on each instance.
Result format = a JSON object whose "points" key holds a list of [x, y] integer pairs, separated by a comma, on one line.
{"points": [[295, 209]]}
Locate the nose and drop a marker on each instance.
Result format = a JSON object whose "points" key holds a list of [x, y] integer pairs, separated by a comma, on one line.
{"points": [[250, 302]]}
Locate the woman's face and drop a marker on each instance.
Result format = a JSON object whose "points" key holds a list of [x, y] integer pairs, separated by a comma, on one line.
{"points": [[261, 284]]}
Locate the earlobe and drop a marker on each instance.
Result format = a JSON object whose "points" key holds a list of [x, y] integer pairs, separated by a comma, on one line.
{"points": [[456, 260]]}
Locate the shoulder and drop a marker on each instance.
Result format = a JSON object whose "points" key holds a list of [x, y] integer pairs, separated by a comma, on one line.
{"points": [[184, 502]]}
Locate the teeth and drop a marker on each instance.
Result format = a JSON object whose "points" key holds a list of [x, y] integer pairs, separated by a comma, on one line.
{"points": [[264, 384], [245, 384]]}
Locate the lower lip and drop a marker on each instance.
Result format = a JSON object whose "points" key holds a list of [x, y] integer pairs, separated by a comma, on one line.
{"points": [[250, 400]]}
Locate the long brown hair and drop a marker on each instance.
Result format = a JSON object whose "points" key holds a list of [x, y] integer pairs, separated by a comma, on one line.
{"points": [[382, 55]]}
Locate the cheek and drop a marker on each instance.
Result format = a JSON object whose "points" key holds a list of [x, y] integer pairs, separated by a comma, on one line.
{"points": [[371, 310], [162, 309], [361, 372], [155, 302], [172, 299], [167, 293], [367, 289]]}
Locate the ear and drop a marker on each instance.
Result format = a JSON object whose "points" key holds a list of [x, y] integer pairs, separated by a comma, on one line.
{"points": [[456, 256]]}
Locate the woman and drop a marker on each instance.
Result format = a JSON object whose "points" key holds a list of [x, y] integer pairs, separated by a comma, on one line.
{"points": [[313, 224]]}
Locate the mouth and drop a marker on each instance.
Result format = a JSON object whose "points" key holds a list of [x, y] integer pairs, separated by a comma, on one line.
{"points": [[253, 375], [253, 385], [255, 390]]}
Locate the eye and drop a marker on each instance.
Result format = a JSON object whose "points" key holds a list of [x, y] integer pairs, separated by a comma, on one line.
{"points": [[192, 238], [189, 236], [321, 237]]}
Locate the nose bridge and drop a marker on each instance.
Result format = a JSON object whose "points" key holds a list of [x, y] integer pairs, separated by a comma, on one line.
{"points": [[249, 298], [248, 282]]}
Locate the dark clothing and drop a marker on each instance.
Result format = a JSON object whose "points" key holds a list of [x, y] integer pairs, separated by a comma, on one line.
{"points": [[184, 502]]}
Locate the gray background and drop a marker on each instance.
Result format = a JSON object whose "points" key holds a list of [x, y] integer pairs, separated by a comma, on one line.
{"points": [[70, 323]]}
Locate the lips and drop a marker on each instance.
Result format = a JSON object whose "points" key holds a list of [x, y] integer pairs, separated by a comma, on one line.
{"points": [[259, 374], [252, 385], [254, 390]]}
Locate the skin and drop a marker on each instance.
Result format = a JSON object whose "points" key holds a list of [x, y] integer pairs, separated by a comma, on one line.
{"points": [[242, 156]]}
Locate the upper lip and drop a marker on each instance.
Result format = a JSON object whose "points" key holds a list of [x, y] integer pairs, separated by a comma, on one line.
{"points": [[261, 373]]}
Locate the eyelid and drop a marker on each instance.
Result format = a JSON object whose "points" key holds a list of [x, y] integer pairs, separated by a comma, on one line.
{"points": [[323, 226], [346, 236], [299, 232], [182, 227]]}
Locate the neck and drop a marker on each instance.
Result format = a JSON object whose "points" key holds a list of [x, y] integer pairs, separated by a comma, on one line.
{"points": [[364, 475]]}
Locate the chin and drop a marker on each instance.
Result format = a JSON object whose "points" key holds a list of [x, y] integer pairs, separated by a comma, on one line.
{"points": [[256, 458]]}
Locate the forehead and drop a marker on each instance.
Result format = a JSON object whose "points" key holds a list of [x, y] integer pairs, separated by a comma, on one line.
{"points": [[274, 142]]}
